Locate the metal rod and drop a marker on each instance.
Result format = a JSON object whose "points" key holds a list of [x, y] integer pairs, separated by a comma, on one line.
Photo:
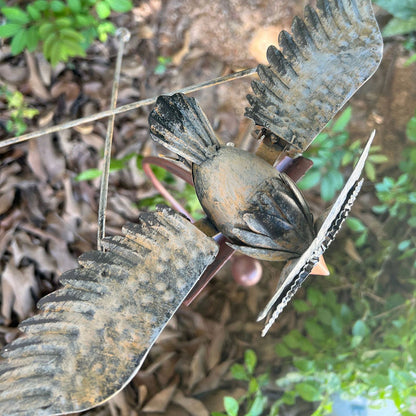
{"points": [[123, 35], [124, 108]]}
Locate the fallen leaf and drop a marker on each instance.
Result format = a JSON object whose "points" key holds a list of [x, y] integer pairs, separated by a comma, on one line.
{"points": [[19, 291], [191, 405], [159, 402]]}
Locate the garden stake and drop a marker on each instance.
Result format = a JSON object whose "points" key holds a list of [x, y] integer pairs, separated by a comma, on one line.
{"points": [[92, 336]]}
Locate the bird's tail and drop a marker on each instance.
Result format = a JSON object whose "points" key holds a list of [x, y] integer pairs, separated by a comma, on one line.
{"points": [[179, 124]]}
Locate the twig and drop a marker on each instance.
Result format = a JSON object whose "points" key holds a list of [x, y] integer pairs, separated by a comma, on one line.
{"points": [[124, 108], [124, 36]]}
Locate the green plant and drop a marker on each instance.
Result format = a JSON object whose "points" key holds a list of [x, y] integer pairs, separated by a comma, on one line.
{"points": [[350, 351], [330, 152], [404, 16], [186, 195], [162, 66], [60, 29], [253, 403], [18, 111], [115, 165], [397, 198]]}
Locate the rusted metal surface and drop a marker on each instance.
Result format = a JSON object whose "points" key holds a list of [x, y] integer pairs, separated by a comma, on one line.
{"points": [[329, 55], [92, 336], [296, 271]]}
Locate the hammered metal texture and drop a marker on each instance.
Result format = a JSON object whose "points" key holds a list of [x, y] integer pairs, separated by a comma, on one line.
{"points": [[331, 53], [256, 207], [296, 271], [92, 336], [181, 126]]}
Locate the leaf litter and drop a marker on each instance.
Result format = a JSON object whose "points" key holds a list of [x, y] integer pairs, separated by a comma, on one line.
{"points": [[47, 219]]}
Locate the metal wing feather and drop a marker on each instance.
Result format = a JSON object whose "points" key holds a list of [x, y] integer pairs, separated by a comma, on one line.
{"points": [[93, 335], [296, 272], [331, 53]]}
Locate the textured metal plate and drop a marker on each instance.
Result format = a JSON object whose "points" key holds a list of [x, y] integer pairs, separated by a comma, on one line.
{"points": [[296, 272], [331, 53], [92, 335]]}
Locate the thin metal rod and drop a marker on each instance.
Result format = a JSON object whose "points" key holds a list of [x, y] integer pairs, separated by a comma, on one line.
{"points": [[124, 108], [123, 35]]}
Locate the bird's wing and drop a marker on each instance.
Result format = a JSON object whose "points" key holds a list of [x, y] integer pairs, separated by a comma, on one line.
{"points": [[178, 123], [92, 336], [329, 55], [296, 272]]}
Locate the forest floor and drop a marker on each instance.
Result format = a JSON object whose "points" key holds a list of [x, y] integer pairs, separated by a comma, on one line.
{"points": [[48, 219]]}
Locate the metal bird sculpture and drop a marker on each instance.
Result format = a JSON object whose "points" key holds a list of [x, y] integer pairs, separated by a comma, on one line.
{"points": [[91, 337]]}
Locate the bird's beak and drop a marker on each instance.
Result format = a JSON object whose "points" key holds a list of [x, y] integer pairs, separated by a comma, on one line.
{"points": [[320, 268]]}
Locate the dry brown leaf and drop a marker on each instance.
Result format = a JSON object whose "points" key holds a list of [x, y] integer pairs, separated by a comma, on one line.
{"points": [[6, 201], [214, 378], [191, 405], [198, 367], [35, 80], [159, 402], [352, 252], [22, 246], [215, 348], [13, 74], [19, 288]]}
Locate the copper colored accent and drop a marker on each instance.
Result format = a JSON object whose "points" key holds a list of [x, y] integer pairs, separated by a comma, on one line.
{"points": [[320, 268]]}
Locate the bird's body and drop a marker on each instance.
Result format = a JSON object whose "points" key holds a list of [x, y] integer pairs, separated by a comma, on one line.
{"points": [[92, 335]]}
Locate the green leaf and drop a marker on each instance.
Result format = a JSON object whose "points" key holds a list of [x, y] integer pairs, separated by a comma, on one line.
{"points": [[411, 59], [33, 12], [63, 22], [411, 129], [304, 365], [360, 328], [315, 297], [238, 371], [75, 5], [218, 414], [328, 187], [103, 9], [57, 6], [301, 306], [398, 26], [342, 121], [19, 42], [32, 39], [355, 224], [88, 174], [9, 29], [41, 5], [256, 409], [120, 6], [231, 406], [283, 351], [15, 15], [403, 245], [378, 158], [370, 171], [310, 180], [46, 29], [315, 330], [404, 9], [308, 391], [250, 360]]}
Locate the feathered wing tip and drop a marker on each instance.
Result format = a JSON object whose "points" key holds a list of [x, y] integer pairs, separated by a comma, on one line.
{"points": [[278, 222], [92, 336], [296, 272], [179, 124], [329, 55]]}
